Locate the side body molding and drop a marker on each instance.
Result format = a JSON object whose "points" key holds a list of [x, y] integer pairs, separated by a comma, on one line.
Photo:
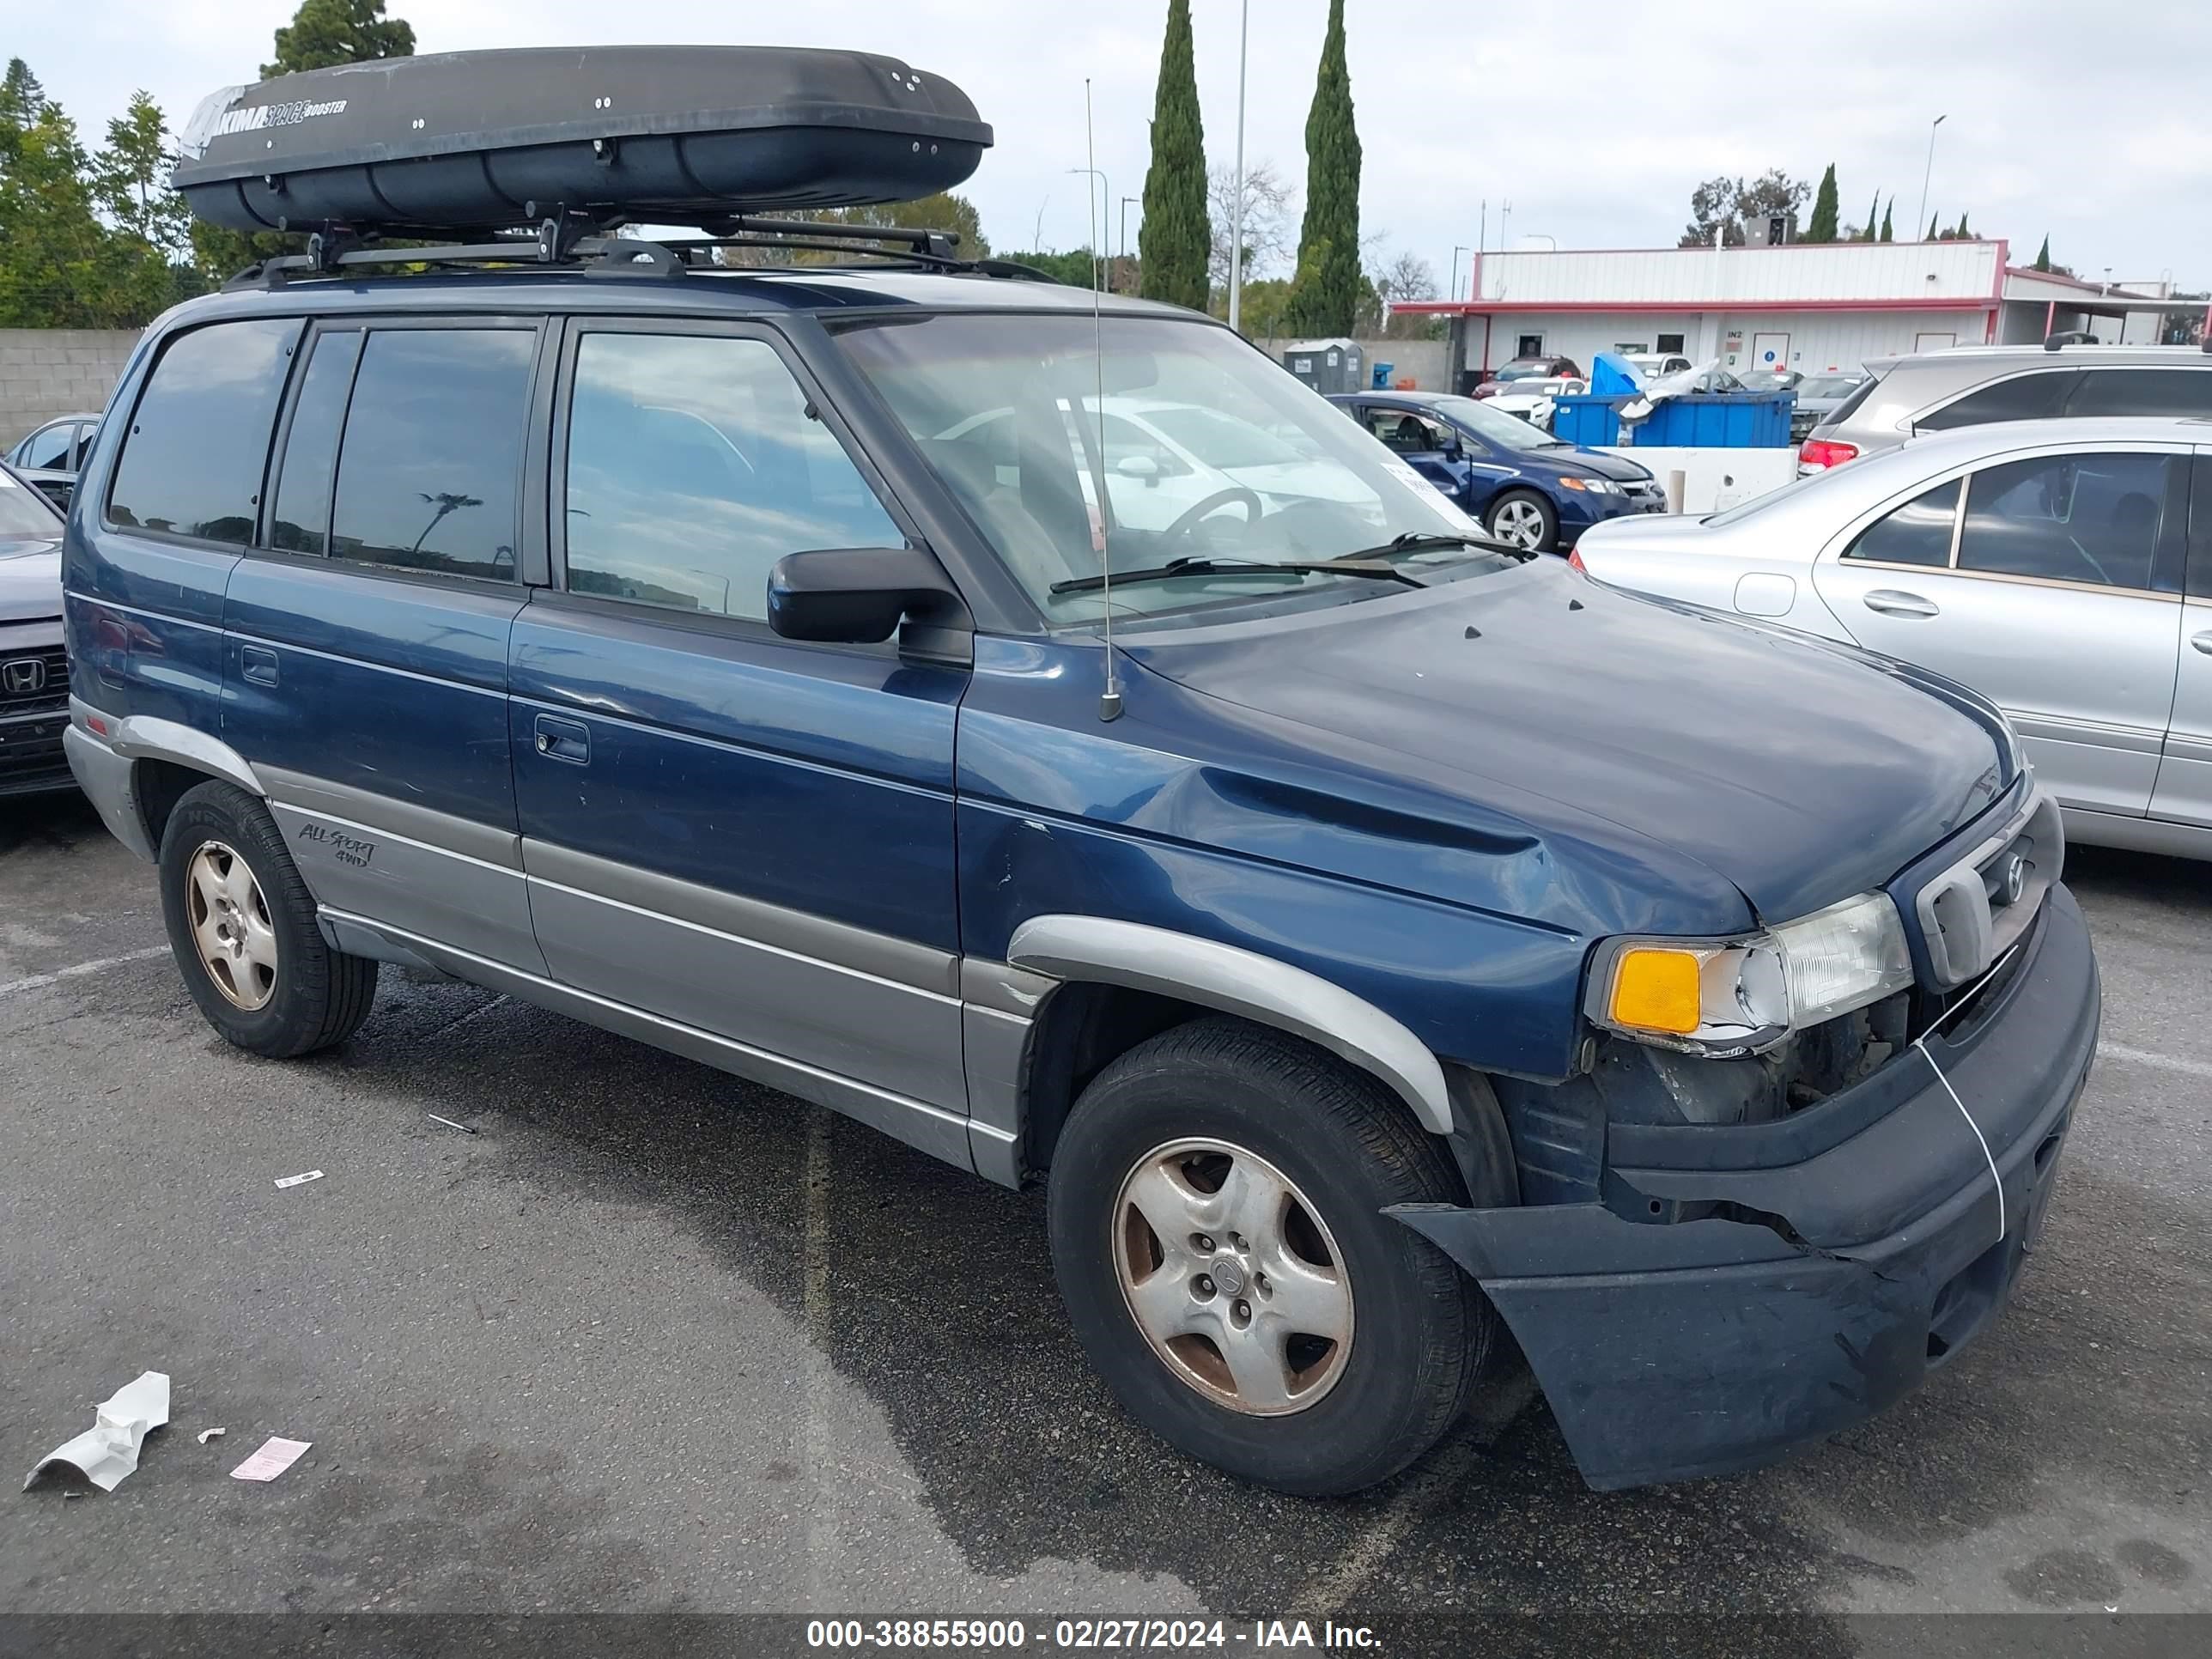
{"points": [[1239, 981]]}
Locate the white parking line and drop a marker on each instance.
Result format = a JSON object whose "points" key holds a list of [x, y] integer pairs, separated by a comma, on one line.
{"points": [[40, 981], [2161, 1063], [817, 1374]]}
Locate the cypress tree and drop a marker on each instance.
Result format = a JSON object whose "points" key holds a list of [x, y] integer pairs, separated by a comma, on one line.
{"points": [[1874, 212], [1325, 294], [2043, 255], [1175, 240], [1964, 235], [1884, 219], [1931, 227], [1823, 227]]}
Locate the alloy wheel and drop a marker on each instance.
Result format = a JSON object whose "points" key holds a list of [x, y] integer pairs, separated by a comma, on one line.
{"points": [[231, 925], [1519, 524]]}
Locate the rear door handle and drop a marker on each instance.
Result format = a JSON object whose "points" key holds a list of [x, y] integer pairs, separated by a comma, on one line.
{"points": [[1890, 602], [2202, 642], [563, 741], [258, 664]]}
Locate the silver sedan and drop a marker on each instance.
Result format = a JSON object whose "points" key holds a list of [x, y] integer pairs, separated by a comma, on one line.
{"points": [[2050, 565]]}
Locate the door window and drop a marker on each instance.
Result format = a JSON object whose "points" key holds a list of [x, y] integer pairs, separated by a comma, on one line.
{"points": [[1920, 532], [432, 445], [198, 441], [301, 521], [2034, 397], [1405, 432], [2175, 392], [695, 463], [2094, 517], [53, 446]]}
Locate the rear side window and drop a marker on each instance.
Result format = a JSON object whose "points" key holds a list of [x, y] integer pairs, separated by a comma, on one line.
{"points": [[2175, 392], [2091, 518], [429, 466], [1850, 406], [2038, 396], [301, 521], [1920, 532], [53, 446], [193, 458]]}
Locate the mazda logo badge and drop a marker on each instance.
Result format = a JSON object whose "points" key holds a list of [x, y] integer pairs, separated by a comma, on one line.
{"points": [[24, 677]]}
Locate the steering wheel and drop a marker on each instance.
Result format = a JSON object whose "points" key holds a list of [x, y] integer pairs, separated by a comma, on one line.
{"points": [[1235, 495]]}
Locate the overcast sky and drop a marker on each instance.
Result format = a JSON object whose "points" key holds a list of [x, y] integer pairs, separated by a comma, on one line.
{"points": [[1595, 119]]}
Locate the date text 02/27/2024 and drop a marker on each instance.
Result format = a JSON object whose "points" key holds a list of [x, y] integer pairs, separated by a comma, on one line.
{"points": [[1104, 1635]]}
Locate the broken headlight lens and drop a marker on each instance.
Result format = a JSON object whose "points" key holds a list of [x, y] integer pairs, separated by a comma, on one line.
{"points": [[1722, 998]]}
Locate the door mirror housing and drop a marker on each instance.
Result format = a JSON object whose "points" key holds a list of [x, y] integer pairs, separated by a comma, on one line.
{"points": [[1144, 468], [859, 595]]}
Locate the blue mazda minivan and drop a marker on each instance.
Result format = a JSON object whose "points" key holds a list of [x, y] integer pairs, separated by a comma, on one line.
{"points": [[1032, 723], [1529, 490]]}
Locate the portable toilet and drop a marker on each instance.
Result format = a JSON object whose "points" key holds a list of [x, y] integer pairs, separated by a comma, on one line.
{"points": [[1327, 366]]}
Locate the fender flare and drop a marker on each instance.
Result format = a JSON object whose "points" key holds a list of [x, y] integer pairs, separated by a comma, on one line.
{"points": [[107, 769], [1243, 982]]}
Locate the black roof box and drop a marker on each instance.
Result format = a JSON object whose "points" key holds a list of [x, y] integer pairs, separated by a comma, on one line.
{"points": [[467, 141]]}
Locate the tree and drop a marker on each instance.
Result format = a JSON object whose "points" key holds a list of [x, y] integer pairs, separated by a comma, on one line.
{"points": [[1823, 227], [153, 226], [58, 263], [1964, 235], [1078, 269], [1886, 235], [1728, 206], [1873, 218], [325, 33], [1325, 291], [1175, 240], [1931, 227], [1266, 220], [2042, 254]]}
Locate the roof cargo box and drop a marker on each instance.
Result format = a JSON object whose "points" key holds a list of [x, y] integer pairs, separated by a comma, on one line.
{"points": [[467, 141]]}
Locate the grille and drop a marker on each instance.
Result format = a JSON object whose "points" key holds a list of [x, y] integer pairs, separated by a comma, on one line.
{"points": [[51, 690]]}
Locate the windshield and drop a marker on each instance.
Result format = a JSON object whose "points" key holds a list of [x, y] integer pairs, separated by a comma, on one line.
{"points": [[1207, 451], [1539, 370], [23, 511], [1495, 425]]}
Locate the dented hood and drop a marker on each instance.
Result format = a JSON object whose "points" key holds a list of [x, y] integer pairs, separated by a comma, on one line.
{"points": [[1800, 773]]}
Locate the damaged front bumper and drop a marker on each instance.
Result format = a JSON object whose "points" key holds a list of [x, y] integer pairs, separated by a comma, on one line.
{"points": [[1837, 1255]]}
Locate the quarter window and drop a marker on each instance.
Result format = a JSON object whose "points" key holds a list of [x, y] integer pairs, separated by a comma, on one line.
{"points": [[2172, 391], [432, 445], [1920, 532], [695, 463], [2033, 397], [2094, 517], [198, 442]]}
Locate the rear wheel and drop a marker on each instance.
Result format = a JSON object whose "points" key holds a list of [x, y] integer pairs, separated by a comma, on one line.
{"points": [[1218, 1234], [1522, 520], [241, 926]]}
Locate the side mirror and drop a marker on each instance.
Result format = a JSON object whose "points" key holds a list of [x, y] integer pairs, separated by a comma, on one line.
{"points": [[858, 595], [1142, 467]]}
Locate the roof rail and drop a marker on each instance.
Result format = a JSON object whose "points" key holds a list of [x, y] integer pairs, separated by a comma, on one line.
{"points": [[570, 240], [2067, 337]]}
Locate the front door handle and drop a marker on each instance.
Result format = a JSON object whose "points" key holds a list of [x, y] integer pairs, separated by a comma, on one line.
{"points": [[1890, 602], [563, 741], [2202, 642]]}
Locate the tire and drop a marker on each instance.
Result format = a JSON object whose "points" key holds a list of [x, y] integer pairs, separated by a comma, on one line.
{"points": [[266, 980], [1525, 519], [1418, 1332]]}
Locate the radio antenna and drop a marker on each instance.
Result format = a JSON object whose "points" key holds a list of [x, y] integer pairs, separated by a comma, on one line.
{"points": [[1109, 700]]}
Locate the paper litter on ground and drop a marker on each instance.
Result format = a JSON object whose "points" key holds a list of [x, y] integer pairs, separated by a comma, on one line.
{"points": [[109, 1450], [207, 1435], [276, 1455], [293, 1180]]}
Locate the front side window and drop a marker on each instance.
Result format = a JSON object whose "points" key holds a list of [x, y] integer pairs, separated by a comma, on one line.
{"points": [[198, 441], [2093, 518], [1007, 409], [1920, 532], [1406, 432], [428, 464], [695, 463], [2039, 395]]}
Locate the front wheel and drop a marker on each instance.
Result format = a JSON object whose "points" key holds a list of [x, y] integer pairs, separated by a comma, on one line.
{"points": [[1217, 1231], [241, 926], [1521, 519]]}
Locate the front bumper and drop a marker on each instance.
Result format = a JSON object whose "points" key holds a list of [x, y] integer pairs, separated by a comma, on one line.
{"points": [[1578, 511], [1839, 1256]]}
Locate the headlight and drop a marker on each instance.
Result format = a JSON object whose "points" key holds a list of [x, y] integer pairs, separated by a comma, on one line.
{"points": [[1595, 486], [1738, 996]]}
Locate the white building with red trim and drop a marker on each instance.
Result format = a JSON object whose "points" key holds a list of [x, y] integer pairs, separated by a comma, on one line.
{"points": [[1811, 307]]}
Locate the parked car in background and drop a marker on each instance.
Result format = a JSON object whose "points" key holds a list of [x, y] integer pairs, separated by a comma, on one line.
{"points": [[1530, 368], [1532, 400], [2050, 566], [1819, 397], [1529, 490], [33, 670], [1976, 386], [1772, 380], [1653, 364], [49, 456]]}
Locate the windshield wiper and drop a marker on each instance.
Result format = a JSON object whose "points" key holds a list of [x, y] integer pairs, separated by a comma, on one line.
{"points": [[1198, 566], [1419, 541]]}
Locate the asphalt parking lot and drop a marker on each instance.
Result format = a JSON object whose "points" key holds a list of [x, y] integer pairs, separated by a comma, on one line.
{"points": [[654, 1338]]}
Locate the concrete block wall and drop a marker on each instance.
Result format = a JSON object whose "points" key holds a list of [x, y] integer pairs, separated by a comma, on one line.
{"points": [[46, 372]]}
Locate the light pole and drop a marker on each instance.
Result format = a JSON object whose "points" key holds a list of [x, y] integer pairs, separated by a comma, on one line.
{"points": [[1237, 210], [1459, 248], [1126, 200], [1105, 196], [1928, 171]]}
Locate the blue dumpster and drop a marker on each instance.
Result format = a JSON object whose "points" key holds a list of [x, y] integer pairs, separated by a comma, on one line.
{"points": [[1383, 374], [1699, 421]]}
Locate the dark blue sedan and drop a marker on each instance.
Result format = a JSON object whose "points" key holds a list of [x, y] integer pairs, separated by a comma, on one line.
{"points": [[1529, 488]]}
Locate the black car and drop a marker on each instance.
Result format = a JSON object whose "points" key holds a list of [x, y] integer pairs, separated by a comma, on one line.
{"points": [[34, 673]]}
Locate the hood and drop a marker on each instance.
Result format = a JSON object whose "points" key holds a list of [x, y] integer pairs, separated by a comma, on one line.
{"points": [[1579, 462], [30, 578], [1800, 774]]}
